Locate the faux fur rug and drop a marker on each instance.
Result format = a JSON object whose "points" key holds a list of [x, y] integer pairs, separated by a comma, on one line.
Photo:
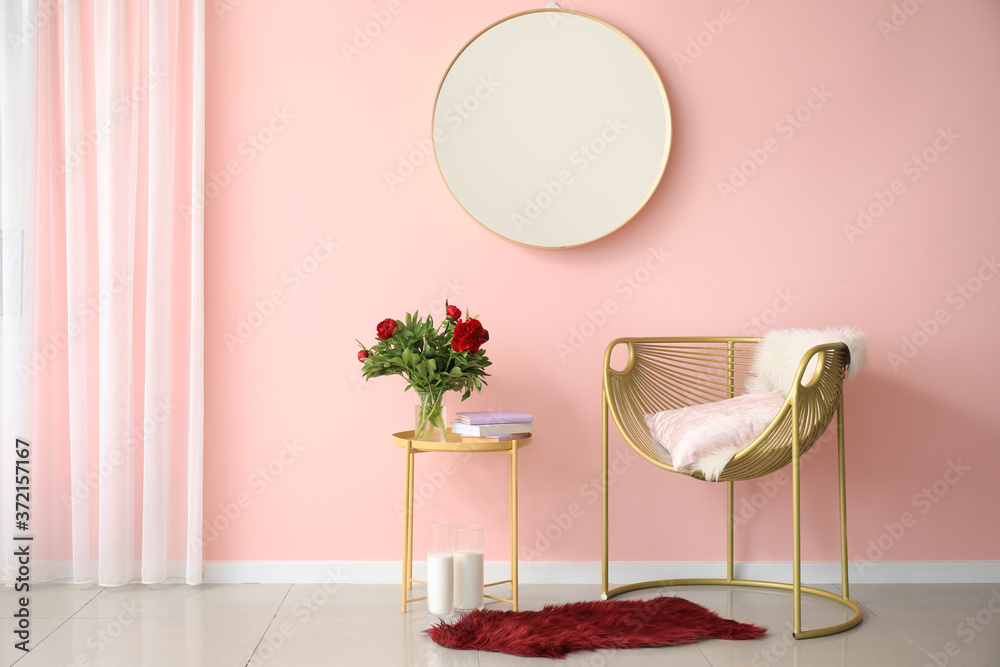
{"points": [[780, 352], [560, 629]]}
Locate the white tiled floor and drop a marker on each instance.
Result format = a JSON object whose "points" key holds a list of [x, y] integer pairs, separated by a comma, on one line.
{"points": [[280, 625]]}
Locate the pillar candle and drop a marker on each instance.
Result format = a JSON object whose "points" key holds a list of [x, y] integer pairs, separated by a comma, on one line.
{"points": [[440, 584], [468, 579]]}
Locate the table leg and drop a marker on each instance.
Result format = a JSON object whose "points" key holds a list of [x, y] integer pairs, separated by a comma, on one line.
{"points": [[407, 524], [409, 559], [513, 526]]}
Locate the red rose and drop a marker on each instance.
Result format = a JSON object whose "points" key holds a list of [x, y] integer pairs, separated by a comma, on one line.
{"points": [[486, 336], [454, 312], [468, 336], [362, 355], [385, 328]]}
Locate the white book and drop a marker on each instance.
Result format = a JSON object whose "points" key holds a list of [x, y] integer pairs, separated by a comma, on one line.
{"points": [[486, 430]]}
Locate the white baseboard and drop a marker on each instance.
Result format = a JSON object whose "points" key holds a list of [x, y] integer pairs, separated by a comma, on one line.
{"points": [[589, 572], [573, 572]]}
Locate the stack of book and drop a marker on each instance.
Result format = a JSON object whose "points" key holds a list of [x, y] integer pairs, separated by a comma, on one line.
{"points": [[495, 424]]}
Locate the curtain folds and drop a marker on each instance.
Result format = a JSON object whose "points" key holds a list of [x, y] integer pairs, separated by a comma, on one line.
{"points": [[118, 388]]}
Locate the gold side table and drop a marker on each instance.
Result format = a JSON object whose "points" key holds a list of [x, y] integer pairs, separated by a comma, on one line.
{"points": [[456, 443]]}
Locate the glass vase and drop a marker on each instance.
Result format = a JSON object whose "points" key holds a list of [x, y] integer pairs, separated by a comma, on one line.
{"points": [[430, 419], [468, 568]]}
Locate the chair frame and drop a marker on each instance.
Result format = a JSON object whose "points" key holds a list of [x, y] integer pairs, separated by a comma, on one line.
{"points": [[723, 363]]}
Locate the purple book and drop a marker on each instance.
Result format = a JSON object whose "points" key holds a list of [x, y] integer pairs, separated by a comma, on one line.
{"points": [[493, 417]]}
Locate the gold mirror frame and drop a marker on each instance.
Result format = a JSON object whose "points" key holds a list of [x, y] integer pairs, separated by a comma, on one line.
{"points": [[513, 148]]}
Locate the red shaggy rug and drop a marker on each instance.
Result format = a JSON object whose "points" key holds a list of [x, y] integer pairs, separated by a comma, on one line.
{"points": [[560, 629]]}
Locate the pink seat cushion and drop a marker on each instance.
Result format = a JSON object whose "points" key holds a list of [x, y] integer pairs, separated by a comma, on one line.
{"points": [[708, 435]]}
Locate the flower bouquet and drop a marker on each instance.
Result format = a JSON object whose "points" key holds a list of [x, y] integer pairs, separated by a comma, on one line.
{"points": [[432, 359]]}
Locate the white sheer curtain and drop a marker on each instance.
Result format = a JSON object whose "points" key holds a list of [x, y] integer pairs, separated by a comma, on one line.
{"points": [[17, 187], [120, 289]]}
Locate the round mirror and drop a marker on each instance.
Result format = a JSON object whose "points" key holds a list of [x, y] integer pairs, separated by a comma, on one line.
{"points": [[551, 128]]}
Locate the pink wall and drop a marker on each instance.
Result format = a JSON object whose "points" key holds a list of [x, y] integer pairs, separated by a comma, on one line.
{"points": [[307, 244]]}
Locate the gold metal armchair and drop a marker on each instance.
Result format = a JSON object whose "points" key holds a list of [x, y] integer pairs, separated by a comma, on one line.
{"points": [[667, 373]]}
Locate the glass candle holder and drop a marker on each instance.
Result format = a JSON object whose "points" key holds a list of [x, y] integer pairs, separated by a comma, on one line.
{"points": [[441, 569], [469, 564]]}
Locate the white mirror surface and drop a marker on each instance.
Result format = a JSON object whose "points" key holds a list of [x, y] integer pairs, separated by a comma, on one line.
{"points": [[551, 128]]}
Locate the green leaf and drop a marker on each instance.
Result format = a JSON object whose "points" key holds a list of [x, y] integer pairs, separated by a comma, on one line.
{"points": [[421, 353]]}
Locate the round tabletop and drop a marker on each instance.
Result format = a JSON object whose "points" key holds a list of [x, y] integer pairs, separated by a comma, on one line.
{"points": [[457, 443]]}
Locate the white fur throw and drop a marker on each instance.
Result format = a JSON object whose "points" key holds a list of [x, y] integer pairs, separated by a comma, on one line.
{"points": [[780, 352]]}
